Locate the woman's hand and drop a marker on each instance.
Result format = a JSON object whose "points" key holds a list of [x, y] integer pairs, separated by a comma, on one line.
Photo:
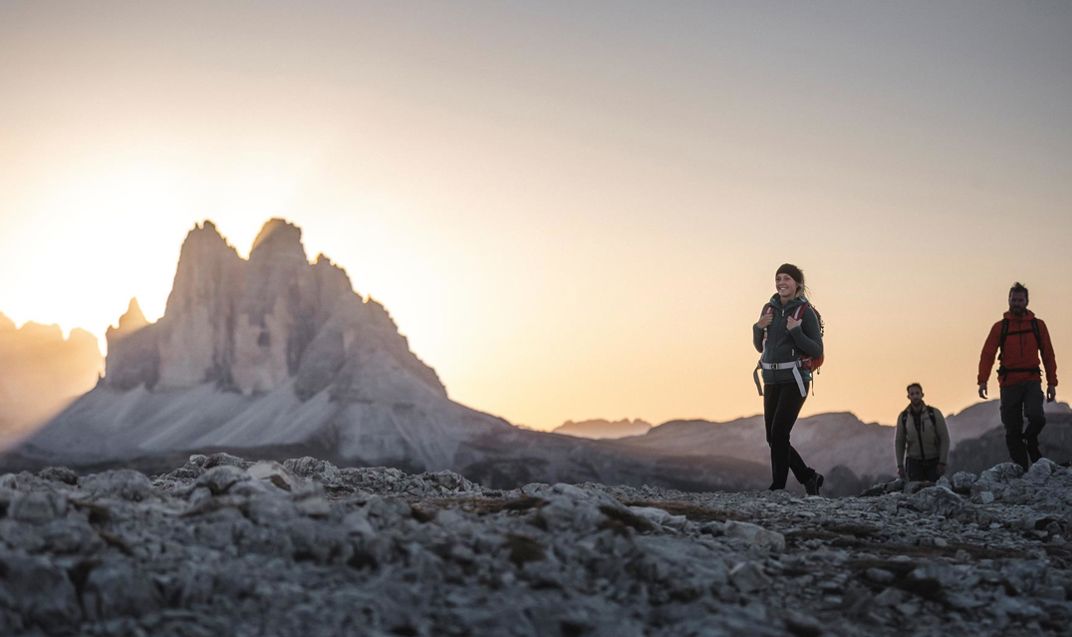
{"points": [[793, 322], [765, 319]]}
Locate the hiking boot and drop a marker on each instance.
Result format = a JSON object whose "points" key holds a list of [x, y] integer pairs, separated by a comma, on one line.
{"points": [[814, 483]]}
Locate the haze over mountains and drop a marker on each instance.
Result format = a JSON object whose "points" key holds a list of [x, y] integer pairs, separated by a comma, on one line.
{"points": [[41, 372]]}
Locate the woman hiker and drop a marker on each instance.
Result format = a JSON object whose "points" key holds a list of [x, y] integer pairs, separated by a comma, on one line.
{"points": [[789, 336]]}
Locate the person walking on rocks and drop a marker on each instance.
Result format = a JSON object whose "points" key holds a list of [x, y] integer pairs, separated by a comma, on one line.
{"points": [[1018, 339], [922, 439], [788, 334]]}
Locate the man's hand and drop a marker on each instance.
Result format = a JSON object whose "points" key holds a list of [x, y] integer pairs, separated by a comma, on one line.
{"points": [[941, 468], [793, 323], [900, 473], [765, 319], [1051, 393], [982, 391]]}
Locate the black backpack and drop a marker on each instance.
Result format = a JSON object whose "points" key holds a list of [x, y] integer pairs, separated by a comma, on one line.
{"points": [[1002, 370], [919, 430]]}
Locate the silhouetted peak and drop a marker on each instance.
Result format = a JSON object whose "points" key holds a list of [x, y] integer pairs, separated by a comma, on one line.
{"points": [[207, 231], [206, 262], [133, 318], [39, 330], [202, 240], [6, 323], [332, 279], [278, 236]]}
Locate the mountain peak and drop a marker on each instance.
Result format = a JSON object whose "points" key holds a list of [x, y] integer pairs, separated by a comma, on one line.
{"points": [[133, 318], [204, 232], [6, 323], [278, 235]]}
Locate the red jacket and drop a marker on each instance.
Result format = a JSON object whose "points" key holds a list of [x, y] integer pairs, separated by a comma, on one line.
{"points": [[1021, 352]]}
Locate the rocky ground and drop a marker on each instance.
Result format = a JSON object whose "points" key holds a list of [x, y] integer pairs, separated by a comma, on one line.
{"points": [[224, 546]]}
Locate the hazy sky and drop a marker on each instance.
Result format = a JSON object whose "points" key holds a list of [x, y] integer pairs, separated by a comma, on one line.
{"points": [[573, 210]]}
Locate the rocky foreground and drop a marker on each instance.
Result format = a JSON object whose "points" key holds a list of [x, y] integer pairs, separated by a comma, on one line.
{"points": [[223, 546]]}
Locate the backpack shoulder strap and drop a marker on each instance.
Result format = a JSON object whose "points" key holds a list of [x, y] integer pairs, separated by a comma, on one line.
{"points": [[1004, 335], [934, 429], [818, 317], [1038, 333]]}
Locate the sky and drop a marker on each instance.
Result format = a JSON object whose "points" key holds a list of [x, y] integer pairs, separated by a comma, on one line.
{"points": [[572, 210]]}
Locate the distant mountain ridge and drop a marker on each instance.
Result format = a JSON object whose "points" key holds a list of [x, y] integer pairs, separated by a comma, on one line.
{"points": [[825, 441], [40, 372], [600, 428], [836, 443]]}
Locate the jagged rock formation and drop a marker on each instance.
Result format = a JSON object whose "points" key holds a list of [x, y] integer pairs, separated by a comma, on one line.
{"points": [[222, 545], [254, 326], [268, 352], [275, 356], [40, 373], [600, 428]]}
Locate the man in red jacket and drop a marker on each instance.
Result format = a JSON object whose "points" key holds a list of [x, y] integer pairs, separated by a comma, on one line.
{"points": [[1020, 337]]}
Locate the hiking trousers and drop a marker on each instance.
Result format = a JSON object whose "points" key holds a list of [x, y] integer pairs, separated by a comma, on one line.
{"points": [[1017, 401], [781, 405], [922, 469]]}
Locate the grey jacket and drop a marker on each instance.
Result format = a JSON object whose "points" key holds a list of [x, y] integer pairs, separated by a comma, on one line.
{"points": [[784, 345]]}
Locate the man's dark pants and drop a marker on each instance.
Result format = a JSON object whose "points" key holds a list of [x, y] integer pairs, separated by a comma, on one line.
{"points": [[1017, 401], [922, 469]]}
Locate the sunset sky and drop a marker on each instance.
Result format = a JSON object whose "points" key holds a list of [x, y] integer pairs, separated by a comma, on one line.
{"points": [[572, 209]]}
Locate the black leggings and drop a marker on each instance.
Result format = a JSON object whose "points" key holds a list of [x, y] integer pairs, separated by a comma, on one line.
{"points": [[781, 405]]}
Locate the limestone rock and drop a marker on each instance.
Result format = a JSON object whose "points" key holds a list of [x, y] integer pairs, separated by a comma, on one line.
{"points": [[218, 545], [37, 507], [38, 592], [1040, 471], [963, 481], [755, 535], [749, 577], [59, 474], [121, 483]]}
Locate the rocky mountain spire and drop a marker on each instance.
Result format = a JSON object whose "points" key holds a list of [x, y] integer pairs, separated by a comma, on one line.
{"points": [[132, 320], [248, 325]]}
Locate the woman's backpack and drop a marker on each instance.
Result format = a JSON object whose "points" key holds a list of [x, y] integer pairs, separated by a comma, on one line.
{"points": [[807, 363]]}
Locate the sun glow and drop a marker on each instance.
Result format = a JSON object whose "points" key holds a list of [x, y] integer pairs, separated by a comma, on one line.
{"points": [[97, 235]]}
